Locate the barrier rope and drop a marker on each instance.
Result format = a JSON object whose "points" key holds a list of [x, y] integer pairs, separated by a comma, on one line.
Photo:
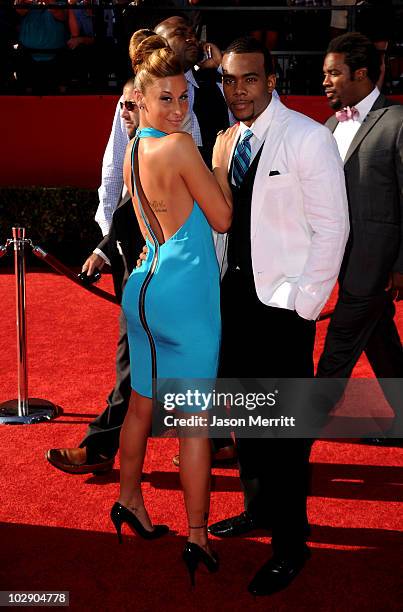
{"points": [[57, 265]]}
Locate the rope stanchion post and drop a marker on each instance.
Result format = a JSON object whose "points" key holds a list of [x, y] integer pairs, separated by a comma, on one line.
{"points": [[19, 269], [22, 410]]}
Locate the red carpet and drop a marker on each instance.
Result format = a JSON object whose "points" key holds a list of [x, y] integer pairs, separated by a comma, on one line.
{"points": [[56, 533]]}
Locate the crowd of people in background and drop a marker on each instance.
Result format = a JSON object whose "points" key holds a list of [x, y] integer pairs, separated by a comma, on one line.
{"points": [[79, 46]]}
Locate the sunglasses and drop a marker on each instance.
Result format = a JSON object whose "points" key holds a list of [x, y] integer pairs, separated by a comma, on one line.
{"points": [[128, 104]]}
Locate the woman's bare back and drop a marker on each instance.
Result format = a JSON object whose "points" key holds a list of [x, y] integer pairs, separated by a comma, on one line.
{"points": [[164, 189]]}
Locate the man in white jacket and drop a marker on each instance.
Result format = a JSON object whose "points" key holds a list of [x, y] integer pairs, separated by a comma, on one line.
{"points": [[280, 262]]}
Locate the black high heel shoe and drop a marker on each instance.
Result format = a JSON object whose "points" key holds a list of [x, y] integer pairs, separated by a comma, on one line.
{"points": [[120, 515], [193, 554]]}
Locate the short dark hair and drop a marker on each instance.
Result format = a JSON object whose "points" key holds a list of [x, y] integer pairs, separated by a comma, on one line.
{"points": [[359, 52], [162, 19], [248, 44]]}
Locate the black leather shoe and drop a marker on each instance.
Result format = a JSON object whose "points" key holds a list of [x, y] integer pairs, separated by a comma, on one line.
{"points": [[235, 526], [277, 573]]}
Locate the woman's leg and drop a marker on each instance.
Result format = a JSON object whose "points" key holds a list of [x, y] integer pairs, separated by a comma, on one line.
{"points": [[195, 467], [133, 443]]}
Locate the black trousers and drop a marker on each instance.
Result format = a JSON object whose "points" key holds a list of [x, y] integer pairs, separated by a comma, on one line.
{"points": [[103, 433], [365, 324], [274, 472]]}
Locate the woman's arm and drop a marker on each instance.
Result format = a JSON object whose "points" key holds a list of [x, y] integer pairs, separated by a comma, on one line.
{"points": [[211, 191], [220, 162]]}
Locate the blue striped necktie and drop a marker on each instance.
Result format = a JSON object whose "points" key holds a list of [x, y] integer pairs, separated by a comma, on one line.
{"points": [[242, 157]]}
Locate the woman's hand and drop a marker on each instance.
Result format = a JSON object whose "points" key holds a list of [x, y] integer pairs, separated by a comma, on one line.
{"points": [[223, 148]]}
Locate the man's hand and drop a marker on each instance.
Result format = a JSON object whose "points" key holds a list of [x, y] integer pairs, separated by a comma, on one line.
{"points": [[213, 54], [93, 263], [142, 256]]}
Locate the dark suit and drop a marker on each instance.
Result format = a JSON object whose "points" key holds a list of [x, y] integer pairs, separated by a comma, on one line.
{"points": [[363, 316], [210, 109]]}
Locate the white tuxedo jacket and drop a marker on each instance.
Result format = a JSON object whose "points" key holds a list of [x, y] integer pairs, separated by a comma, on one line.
{"points": [[299, 218]]}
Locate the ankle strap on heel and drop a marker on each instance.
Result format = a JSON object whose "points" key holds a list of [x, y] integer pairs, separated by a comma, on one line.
{"points": [[197, 526]]}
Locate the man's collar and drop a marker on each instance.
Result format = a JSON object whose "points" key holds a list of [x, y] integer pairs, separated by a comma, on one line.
{"points": [[190, 78], [365, 105], [260, 126]]}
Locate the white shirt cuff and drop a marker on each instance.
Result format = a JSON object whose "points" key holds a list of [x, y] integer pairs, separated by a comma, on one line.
{"points": [[101, 254]]}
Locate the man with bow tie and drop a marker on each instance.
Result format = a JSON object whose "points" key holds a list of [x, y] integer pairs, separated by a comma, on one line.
{"points": [[368, 129], [280, 262]]}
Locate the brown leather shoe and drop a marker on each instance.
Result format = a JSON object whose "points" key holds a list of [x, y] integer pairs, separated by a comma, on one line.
{"points": [[75, 461], [225, 456]]}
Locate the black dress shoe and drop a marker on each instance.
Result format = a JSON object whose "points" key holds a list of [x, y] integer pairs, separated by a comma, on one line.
{"points": [[277, 573], [235, 526]]}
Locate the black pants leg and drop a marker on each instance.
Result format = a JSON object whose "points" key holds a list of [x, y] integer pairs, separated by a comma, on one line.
{"points": [[103, 433], [364, 324], [385, 354], [274, 472], [285, 479], [354, 321]]}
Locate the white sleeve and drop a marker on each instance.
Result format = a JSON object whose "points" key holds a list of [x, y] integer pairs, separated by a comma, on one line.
{"points": [[111, 187], [326, 210]]}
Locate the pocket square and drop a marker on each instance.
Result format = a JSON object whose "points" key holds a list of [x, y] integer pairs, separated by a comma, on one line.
{"points": [[274, 173]]}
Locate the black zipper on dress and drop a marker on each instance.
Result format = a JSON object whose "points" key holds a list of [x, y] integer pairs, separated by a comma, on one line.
{"points": [[146, 282], [143, 319]]}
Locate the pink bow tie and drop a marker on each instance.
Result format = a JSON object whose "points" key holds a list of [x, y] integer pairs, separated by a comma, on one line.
{"points": [[347, 113]]}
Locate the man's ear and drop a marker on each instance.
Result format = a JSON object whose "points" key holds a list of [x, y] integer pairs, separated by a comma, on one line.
{"points": [[360, 74], [271, 82]]}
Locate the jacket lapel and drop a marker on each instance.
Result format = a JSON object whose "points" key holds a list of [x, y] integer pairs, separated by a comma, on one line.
{"points": [[371, 119], [332, 123], [274, 137]]}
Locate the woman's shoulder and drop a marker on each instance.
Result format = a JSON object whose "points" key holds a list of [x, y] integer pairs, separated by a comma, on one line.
{"points": [[180, 146], [180, 140]]}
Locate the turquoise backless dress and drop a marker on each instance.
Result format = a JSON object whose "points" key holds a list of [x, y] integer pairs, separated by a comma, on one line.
{"points": [[172, 302]]}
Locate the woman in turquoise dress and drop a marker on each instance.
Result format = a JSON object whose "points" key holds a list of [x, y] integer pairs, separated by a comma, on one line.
{"points": [[171, 302]]}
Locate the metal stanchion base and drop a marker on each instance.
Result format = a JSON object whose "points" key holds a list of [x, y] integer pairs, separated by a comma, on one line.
{"points": [[39, 411]]}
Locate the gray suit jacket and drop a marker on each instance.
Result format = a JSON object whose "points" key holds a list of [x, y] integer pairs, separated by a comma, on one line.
{"points": [[374, 179]]}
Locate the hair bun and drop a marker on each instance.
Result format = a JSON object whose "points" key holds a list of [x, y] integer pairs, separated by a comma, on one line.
{"points": [[142, 45], [152, 58]]}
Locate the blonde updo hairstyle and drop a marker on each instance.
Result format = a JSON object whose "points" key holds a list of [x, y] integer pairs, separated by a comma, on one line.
{"points": [[152, 59]]}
